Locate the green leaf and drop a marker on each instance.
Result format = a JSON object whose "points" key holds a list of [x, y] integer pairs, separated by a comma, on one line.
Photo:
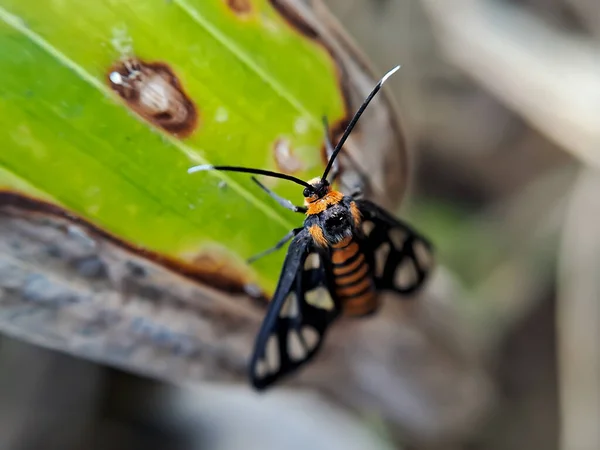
{"points": [[67, 137]]}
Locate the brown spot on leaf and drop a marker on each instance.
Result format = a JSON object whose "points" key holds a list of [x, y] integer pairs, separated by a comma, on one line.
{"points": [[241, 8], [294, 19], [285, 159], [154, 92], [208, 269], [219, 264]]}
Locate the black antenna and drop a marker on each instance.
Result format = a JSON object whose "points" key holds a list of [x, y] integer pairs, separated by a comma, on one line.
{"points": [[267, 173], [350, 126]]}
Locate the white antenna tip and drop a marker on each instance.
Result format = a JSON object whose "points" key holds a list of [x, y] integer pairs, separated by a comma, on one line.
{"points": [[389, 74], [200, 168]]}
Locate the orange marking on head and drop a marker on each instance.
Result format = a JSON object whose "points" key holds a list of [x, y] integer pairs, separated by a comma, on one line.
{"points": [[318, 205], [355, 214], [317, 235]]}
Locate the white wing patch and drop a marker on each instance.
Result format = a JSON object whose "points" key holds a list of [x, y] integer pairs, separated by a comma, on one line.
{"points": [[310, 336], [397, 237], [319, 298], [261, 369], [423, 255], [381, 256], [367, 227], [313, 261], [296, 349], [272, 354], [405, 274], [290, 307]]}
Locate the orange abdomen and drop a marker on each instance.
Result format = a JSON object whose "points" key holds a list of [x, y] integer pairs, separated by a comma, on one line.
{"points": [[353, 282]]}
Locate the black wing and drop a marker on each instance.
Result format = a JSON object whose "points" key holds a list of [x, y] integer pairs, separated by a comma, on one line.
{"points": [[302, 308], [401, 258]]}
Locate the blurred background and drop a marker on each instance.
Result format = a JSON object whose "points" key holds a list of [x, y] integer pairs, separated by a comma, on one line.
{"points": [[499, 101]]}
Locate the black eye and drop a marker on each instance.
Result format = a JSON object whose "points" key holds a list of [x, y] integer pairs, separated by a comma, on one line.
{"points": [[307, 192]]}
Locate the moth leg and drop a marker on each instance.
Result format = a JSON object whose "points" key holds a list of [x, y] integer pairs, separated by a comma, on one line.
{"points": [[282, 201], [276, 247]]}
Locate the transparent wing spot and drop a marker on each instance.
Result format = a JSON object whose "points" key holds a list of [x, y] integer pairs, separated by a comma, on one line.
{"points": [[381, 256], [398, 237], [272, 354], [312, 262], [260, 369], [319, 298], [290, 307], [296, 349], [423, 255], [405, 274], [368, 227], [310, 337]]}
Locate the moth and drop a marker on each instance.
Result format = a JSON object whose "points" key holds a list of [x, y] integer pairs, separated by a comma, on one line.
{"points": [[347, 251]]}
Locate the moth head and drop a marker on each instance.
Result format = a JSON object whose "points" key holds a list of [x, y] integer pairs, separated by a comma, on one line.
{"points": [[318, 189]]}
